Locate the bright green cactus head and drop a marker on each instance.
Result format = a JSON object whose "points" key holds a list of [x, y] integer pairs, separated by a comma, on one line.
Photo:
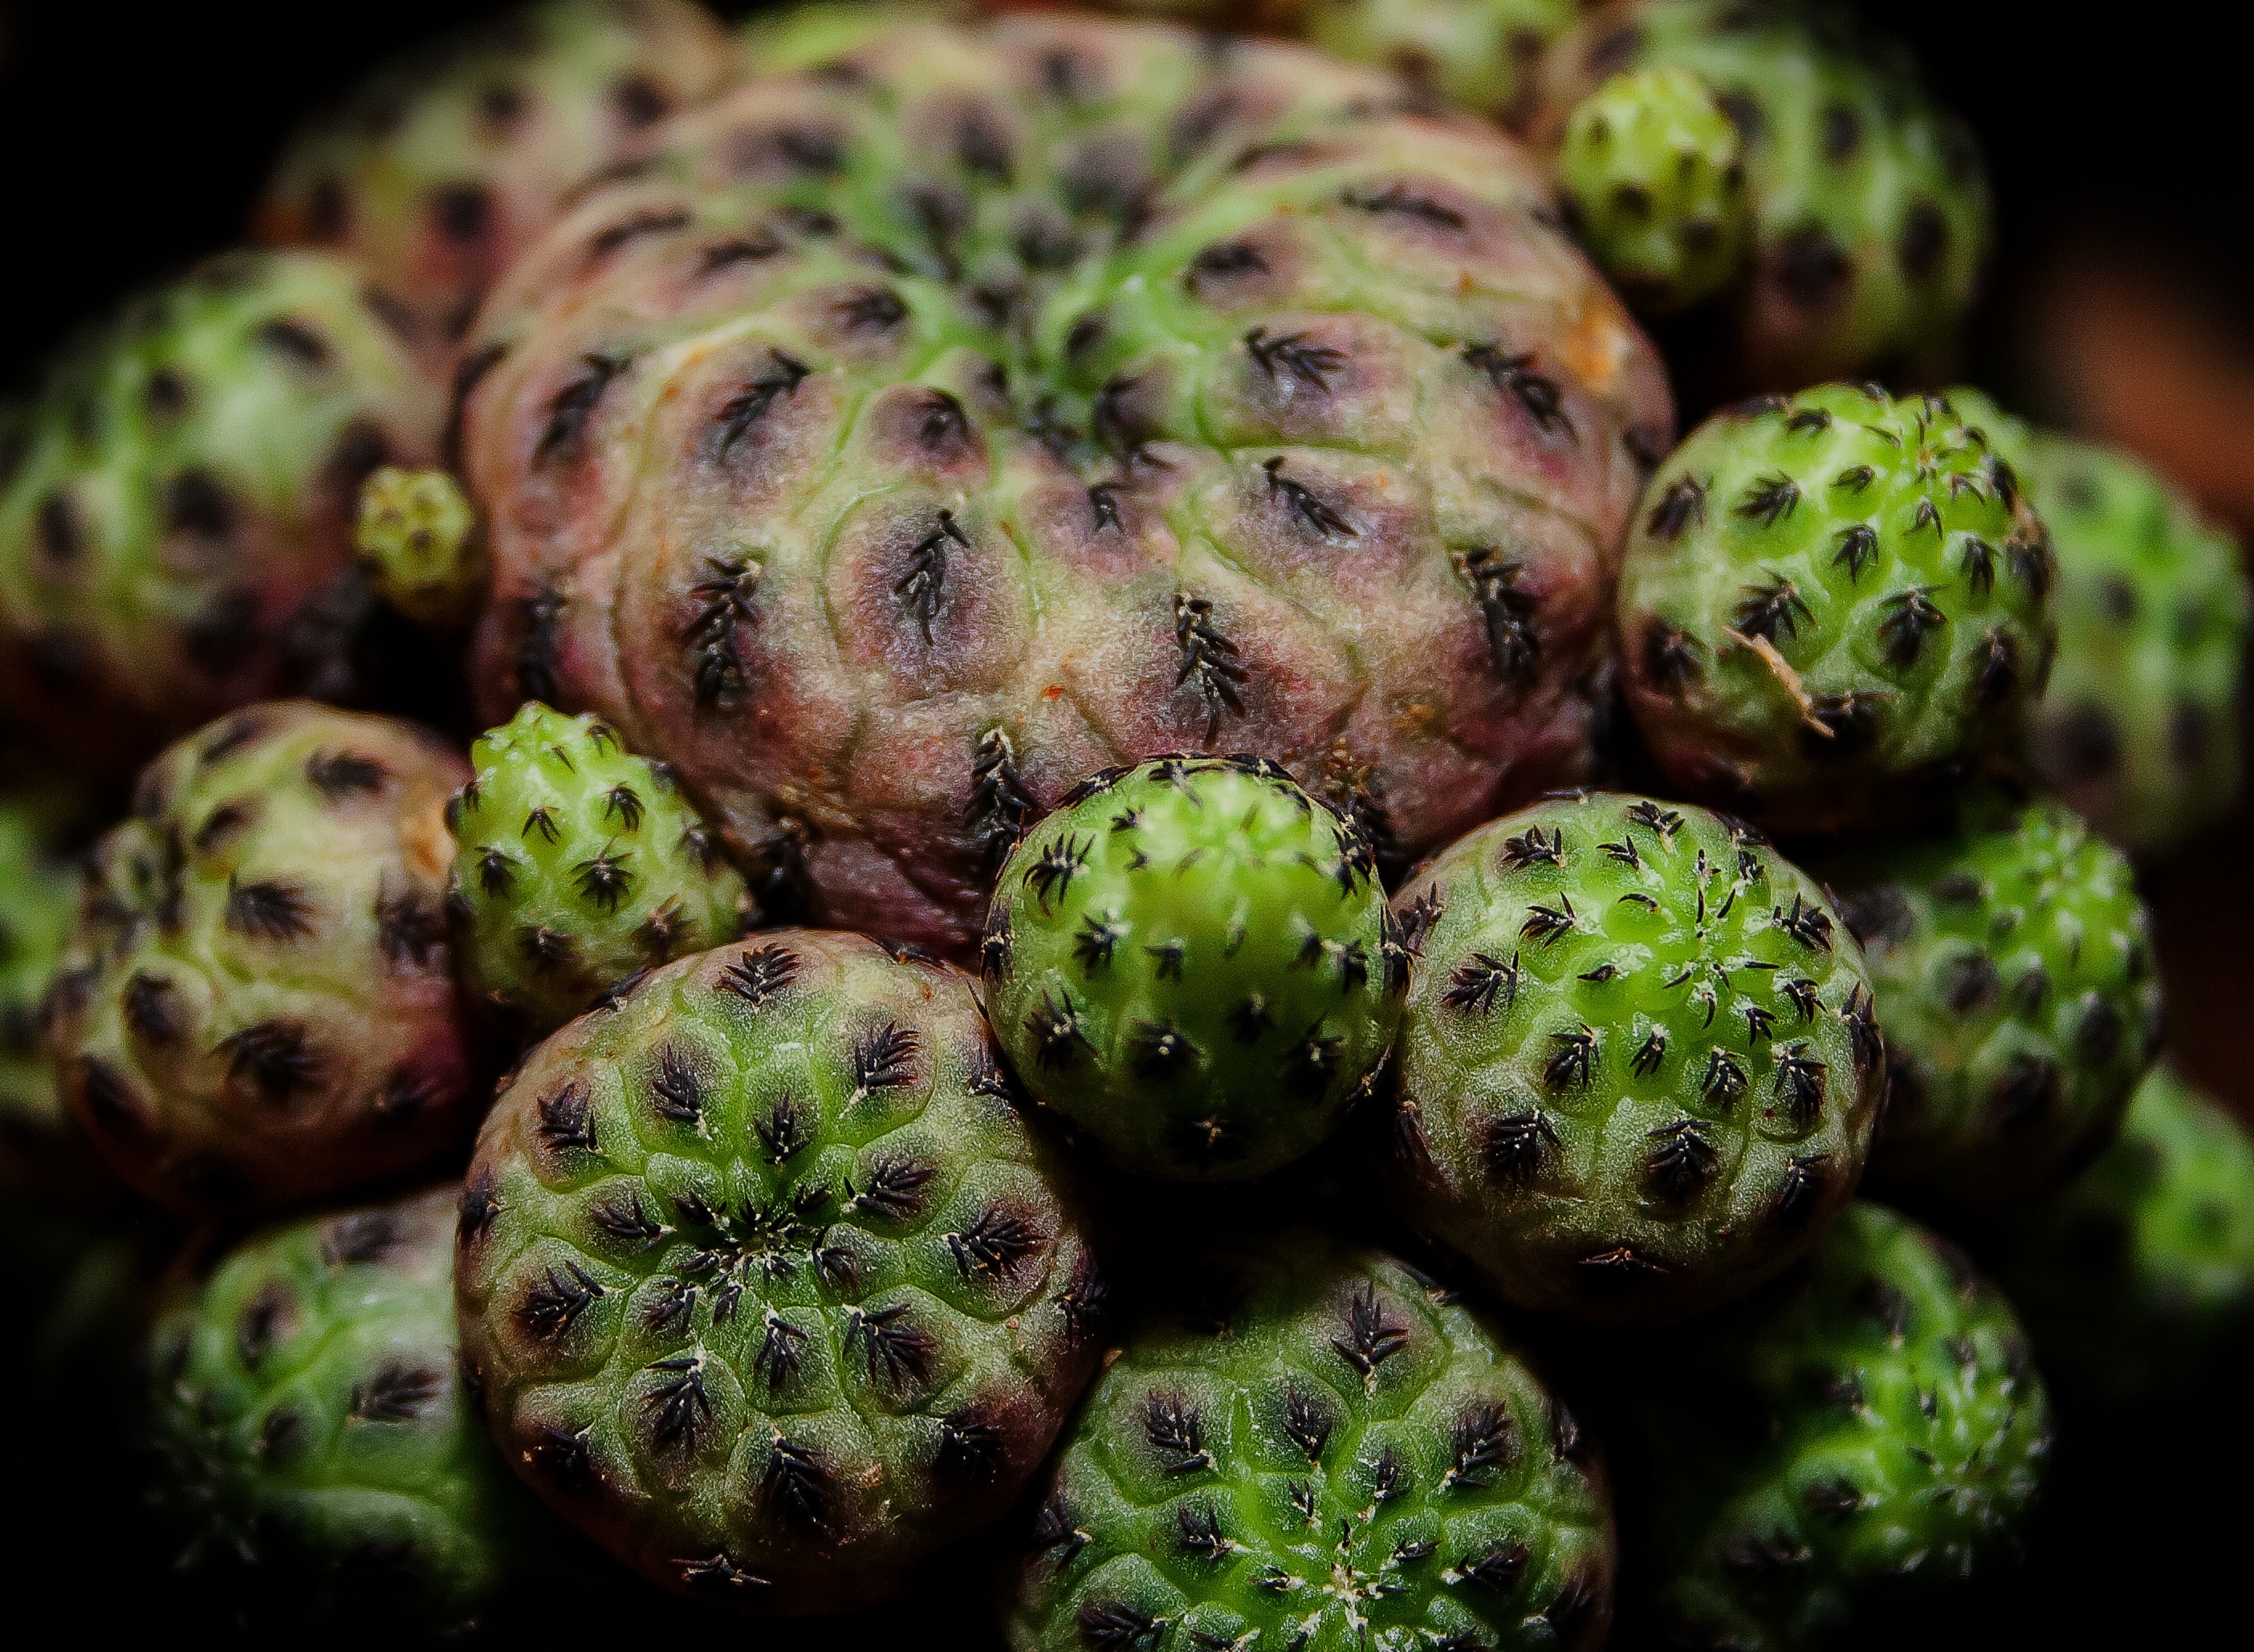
{"points": [[1834, 607], [576, 865], [1654, 173], [1840, 1449], [1638, 1070], [1192, 960], [2018, 993], [1337, 1455]]}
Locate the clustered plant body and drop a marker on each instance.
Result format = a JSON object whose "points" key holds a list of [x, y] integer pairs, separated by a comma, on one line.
{"points": [[178, 499], [916, 437], [2012, 959], [1048, 598], [1835, 610], [322, 1456], [1842, 1451]]}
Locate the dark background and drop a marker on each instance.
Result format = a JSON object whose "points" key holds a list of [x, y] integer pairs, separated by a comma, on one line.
{"points": [[133, 137]]}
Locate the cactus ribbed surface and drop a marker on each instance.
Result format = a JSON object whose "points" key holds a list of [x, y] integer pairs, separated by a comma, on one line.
{"points": [[1339, 1454], [766, 1285], [999, 403], [1638, 1067]]}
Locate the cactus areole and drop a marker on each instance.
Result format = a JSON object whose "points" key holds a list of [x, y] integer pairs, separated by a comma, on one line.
{"points": [[919, 434]]}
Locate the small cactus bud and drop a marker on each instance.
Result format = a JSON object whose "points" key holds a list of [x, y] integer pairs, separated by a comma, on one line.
{"points": [[418, 540], [1654, 176]]}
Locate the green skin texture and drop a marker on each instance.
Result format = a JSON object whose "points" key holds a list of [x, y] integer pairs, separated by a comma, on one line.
{"points": [[38, 901], [417, 539], [1478, 55], [1493, 1527], [1870, 205], [2139, 730], [1913, 629], [257, 1008], [2137, 1277], [1653, 176], [804, 36], [756, 594], [2013, 963], [1197, 899], [308, 1405], [576, 865], [1726, 1110], [841, 1161], [514, 113], [185, 478], [1862, 1437]]}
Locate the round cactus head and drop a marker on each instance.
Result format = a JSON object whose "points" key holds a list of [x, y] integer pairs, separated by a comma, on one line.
{"points": [[1193, 961], [316, 1430], [1655, 177], [1479, 56], [258, 1006], [2140, 729], [418, 545], [1337, 1455], [1834, 607], [2136, 1280], [577, 867], [446, 164], [1840, 1449], [767, 1286], [1869, 205], [1638, 1068], [176, 503], [2018, 993], [1119, 448]]}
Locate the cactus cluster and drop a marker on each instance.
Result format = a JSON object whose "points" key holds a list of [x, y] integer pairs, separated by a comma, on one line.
{"points": [[918, 436], [1116, 751], [1639, 1065]]}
